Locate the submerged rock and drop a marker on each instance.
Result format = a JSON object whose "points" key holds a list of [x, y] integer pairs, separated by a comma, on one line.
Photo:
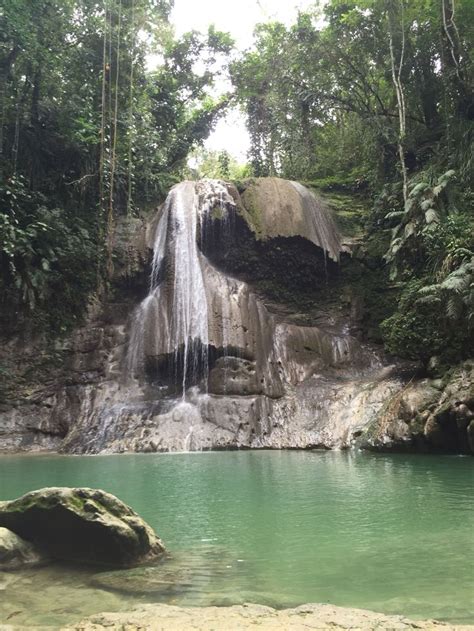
{"points": [[15, 552], [157, 580], [195, 577], [82, 525]]}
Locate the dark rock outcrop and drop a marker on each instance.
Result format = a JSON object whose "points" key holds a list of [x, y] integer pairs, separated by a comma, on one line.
{"points": [[82, 525], [428, 415]]}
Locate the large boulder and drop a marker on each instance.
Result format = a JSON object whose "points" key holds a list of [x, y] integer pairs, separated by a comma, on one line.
{"points": [[15, 552], [83, 525]]}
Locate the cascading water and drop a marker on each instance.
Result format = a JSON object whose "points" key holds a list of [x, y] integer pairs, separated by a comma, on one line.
{"points": [[189, 322], [180, 320]]}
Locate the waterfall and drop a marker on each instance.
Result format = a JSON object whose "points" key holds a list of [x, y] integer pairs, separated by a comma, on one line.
{"points": [[189, 322], [193, 307], [176, 312], [173, 319]]}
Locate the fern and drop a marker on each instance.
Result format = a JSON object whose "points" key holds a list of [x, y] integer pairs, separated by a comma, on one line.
{"points": [[456, 292], [454, 307], [419, 188], [426, 211], [396, 214], [429, 290], [431, 216], [429, 300]]}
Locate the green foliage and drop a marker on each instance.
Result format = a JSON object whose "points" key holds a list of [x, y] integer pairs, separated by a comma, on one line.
{"points": [[454, 295], [449, 243], [428, 205], [218, 165], [320, 99], [417, 331], [47, 256], [349, 209], [432, 246], [181, 108]]}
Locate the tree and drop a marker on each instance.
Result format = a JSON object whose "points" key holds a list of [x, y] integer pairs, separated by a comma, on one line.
{"points": [[89, 133], [378, 65]]}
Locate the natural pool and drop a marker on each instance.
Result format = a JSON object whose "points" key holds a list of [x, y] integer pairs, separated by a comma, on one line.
{"points": [[392, 533]]}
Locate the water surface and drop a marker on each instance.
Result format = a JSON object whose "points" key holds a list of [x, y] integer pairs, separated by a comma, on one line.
{"points": [[392, 533]]}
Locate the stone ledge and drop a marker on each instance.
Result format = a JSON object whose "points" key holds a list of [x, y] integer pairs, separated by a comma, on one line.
{"points": [[241, 617]]}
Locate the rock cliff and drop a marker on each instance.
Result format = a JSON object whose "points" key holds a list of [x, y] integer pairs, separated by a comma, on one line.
{"points": [[230, 327]]}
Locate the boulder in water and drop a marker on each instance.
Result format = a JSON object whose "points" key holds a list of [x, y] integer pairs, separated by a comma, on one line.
{"points": [[82, 525], [15, 552]]}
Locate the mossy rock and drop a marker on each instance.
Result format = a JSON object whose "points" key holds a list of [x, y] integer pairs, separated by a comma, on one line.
{"points": [[82, 525], [350, 212], [274, 207]]}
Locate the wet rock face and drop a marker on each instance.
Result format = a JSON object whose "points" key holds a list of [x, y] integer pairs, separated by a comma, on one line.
{"points": [[82, 525], [277, 208], [234, 376], [276, 236], [55, 380]]}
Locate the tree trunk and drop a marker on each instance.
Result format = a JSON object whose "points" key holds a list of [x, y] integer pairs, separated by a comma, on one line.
{"points": [[5, 68], [399, 91]]}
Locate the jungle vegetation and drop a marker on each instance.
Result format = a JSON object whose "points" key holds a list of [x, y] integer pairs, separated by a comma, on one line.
{"points": [[373, 98]]}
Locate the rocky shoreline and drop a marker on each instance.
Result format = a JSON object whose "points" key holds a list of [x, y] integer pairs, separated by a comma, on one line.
{"points": [[250, 616]]}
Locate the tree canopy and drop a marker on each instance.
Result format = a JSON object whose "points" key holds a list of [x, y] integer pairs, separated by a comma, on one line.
{"points": [[88, 131]]}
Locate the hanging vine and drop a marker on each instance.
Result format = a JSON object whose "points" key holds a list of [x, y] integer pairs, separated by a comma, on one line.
{"points": [[447, 10], [131, 112], [113, 153], [103, 112], [103, 140]]}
